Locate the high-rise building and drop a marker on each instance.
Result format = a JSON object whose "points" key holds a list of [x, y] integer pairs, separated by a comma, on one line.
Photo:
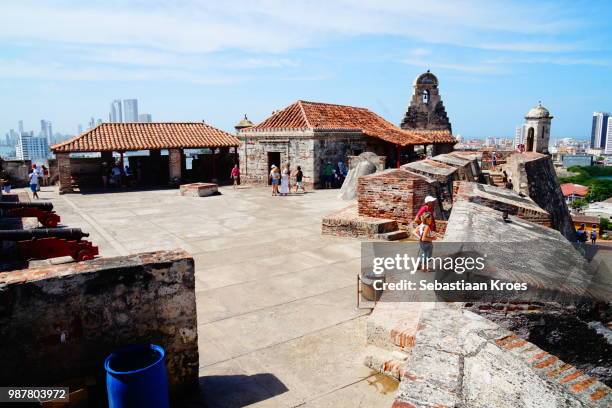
{"points": [[20, 126], [608, 147], [519, 136], [49, 131], [116, 114], [130, 110], [145, 118], [599, 130], [31, 148], [80, 129]]}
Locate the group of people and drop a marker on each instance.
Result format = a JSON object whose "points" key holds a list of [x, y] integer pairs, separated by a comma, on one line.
{"points": [[115, 175], [333, 176], [39, 175], [281, 180], [582, 235]]}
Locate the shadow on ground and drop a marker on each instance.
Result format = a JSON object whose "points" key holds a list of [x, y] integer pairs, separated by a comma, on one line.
{"points": [[234, 391]]}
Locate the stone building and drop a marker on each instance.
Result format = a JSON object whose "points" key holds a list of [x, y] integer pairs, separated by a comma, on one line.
{"points": [[310, 134], [426, 110], [537, 124]]}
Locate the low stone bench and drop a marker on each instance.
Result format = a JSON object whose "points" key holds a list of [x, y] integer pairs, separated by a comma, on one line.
{"points": [[198, 189]]}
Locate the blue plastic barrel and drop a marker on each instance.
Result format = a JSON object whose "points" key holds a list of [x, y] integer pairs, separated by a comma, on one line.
{"points": [[136, 377]]}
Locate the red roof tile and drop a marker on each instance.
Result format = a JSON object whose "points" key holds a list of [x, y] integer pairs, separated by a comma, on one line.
{"points": [[145, 136], [317, 116], [569, 189]]}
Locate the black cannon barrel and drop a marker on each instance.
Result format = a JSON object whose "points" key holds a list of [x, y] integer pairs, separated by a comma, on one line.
{"points": [[24, 235], [9, 205]]}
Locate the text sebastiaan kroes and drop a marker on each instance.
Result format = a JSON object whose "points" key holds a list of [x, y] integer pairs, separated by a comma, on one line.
{"points": [[458, 265]]}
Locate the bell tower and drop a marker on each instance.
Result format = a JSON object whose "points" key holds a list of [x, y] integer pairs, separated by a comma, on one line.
{"points": [[426, 110]]}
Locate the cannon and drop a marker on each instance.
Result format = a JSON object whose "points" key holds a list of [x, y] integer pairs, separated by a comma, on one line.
{"points": [[45, 206], [42, 211], [45, 243]]}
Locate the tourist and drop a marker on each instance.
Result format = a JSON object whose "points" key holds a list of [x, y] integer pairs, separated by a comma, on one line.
{"points": [[509, 184], [427, 207], [494, 160], [284, 186], [235, 175], [328, 174], [426, 235], [34, 178], [275, 179], [299, 177], [45, 174], [128, 175], [581, 234], [39, 172], [116, 175], [104, 173], [594, 234]]}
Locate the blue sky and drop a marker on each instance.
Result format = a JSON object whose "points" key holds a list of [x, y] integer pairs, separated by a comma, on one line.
{"points": [[191, 60]]}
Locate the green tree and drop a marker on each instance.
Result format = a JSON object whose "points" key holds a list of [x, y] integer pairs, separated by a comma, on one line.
{"points": [[605, 224], [579, 203]]}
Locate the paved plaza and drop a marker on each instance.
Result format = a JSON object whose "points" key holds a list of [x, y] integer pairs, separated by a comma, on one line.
{"points": [[277, 321]]}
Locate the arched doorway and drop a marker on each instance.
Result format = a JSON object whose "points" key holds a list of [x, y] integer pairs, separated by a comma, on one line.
{"points": [[529, 144]]}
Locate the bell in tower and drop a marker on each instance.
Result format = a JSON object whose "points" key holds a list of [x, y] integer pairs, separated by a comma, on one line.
{"points": [[426, 110]]}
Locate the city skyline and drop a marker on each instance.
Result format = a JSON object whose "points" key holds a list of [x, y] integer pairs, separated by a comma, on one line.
{"points": [[495, 60]]}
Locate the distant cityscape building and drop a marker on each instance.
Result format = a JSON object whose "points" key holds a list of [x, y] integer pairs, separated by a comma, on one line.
{"points": [[570, 160], [79, 129], [46, 130], [519, 136], [130, 110], [30, 147], [599, 130], [145, 118], [608, 149], [20, 126], [116, 113]]}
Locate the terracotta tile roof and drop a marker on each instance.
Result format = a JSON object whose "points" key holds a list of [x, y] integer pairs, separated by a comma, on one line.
{"points": [[145, 136], [303, 115], [569, 189], [585, 219]]}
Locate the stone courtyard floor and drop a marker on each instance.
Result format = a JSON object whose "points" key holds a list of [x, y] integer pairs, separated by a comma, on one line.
{"points": [[277, 321]]}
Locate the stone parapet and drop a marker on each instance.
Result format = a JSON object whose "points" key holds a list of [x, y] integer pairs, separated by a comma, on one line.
{"points": [[60, 322]]}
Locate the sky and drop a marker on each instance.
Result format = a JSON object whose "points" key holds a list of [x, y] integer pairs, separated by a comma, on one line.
{"points": [[193, 60]]}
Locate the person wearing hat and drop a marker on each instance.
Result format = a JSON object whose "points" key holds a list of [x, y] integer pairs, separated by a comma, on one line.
{"points": [[275, 177], [427, 207]]}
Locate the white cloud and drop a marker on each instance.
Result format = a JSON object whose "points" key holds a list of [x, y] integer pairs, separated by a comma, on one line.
{"points": [[187, 40]]}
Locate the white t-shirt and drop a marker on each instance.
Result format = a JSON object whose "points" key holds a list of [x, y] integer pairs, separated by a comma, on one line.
{"points": [[34, 177]]}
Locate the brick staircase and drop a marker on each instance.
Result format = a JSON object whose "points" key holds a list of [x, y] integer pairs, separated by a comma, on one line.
{"points": [[391, 330], [497, 178]]}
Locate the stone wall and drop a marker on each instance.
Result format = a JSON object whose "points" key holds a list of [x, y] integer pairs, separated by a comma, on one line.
{"points": [[60, 322], [393, 194], [462, 359], [464, 166], [306, 148], [18, 170], [502, 199], [533, 174]]}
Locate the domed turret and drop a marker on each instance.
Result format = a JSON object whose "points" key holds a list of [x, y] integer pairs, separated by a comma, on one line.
{"points": [[538, 112], [243, 124], [426, 79]]}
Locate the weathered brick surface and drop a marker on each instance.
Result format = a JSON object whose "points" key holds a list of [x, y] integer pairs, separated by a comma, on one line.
{"points": [[198, 189], [60, 322], [502, 199], [64, 172], [393, 194], [347, 223], [533, 174]]}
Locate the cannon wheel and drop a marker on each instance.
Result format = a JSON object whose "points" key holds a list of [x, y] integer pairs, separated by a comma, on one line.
{"points": [[83, 255]]}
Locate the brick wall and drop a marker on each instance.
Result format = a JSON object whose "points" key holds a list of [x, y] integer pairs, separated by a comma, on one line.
{"points": [[502, 200], [176, 163], [60, 322], [393, 194], [64, 172]]}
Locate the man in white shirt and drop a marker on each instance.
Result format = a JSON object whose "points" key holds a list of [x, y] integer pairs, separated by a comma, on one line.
{"points": [[34, 182]]}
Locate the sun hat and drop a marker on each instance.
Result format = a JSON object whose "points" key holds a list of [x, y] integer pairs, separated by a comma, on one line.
{"points": [[429, 199]]}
